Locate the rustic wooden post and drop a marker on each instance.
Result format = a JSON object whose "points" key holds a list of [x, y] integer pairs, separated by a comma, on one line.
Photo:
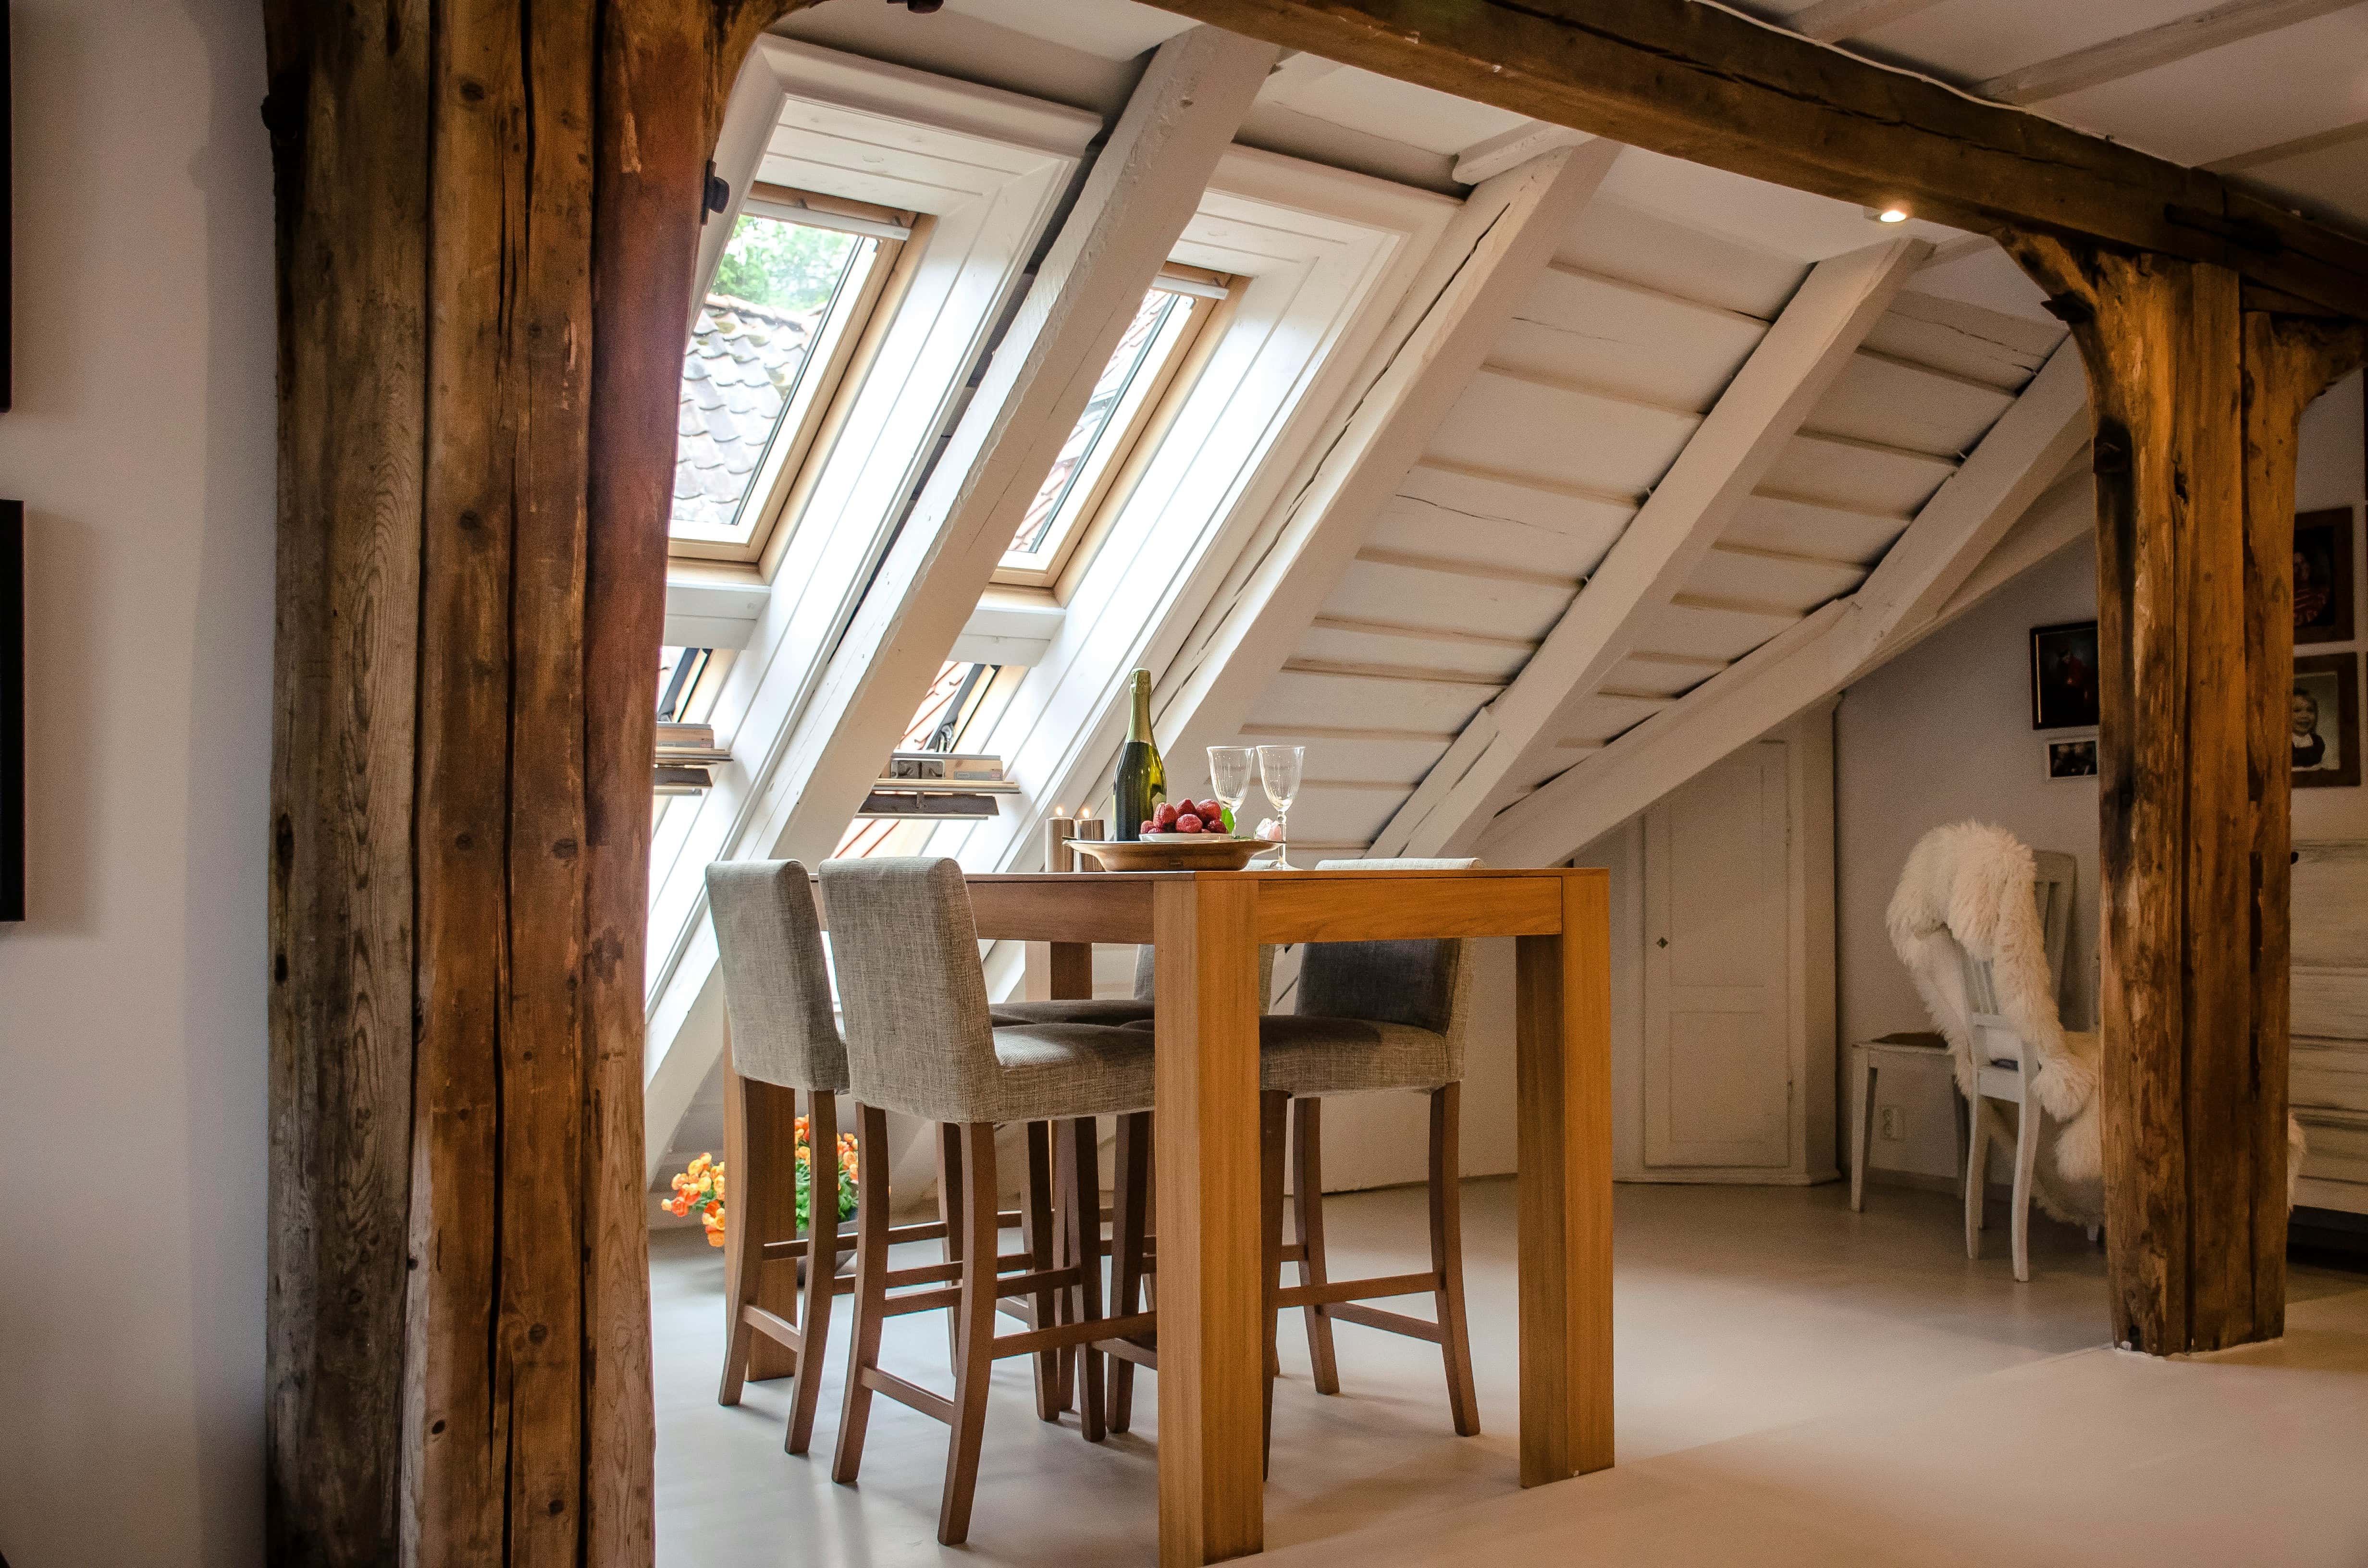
{"points": [[2195, 399], [488, 213]]}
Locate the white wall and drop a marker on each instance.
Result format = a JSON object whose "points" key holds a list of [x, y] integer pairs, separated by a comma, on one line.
{"points": [[131, 1003], [1943, 732]]}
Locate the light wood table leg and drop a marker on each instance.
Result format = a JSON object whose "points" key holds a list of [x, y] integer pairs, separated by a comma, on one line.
{"points": [[1564, 1074], [1211, 1320], [1070, 975]]}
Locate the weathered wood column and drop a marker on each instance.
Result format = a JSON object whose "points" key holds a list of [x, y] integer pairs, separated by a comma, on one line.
{"points": [[2196, 394], [488, 214]]}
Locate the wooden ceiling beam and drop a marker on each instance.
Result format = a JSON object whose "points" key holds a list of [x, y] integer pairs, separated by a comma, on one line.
{"points": [[1709, 86]]}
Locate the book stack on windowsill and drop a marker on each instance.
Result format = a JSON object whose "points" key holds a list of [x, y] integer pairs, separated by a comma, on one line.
{"points": [[936, 786], [684, 754]]}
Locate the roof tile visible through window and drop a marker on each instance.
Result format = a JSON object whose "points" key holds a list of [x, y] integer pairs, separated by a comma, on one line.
{"points": [[743, 362]]}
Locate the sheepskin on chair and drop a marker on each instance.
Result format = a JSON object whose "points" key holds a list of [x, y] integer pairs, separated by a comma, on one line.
{"points": [[1969, 889]]}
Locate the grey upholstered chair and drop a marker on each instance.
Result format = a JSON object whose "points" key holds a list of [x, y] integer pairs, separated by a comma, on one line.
{"points": [[783, 1041], [1371, 1015], [921, 1041]]}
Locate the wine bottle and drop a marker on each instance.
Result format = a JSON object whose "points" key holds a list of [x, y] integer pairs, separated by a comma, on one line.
{"points": [[1141, 780]]}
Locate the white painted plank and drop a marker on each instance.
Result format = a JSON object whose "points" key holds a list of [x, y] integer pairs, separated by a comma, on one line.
{"points": [[1338, 812], [1605, 715], [1569, 547], [1332, 641], [1335, 752], [1563, 434], [1662, 675], [1801, 582], [1856, 476], [1968, 339], [1621, 241], [1508, 150], [1627, 339], [1898, 403], [1625, 603], [1441, 601], [1777, 522], [1706, 629], [2177, 39], [1297, 697]]}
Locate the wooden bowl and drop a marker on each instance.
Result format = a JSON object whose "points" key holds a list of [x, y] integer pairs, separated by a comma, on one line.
{"points": [[1173, 852]]}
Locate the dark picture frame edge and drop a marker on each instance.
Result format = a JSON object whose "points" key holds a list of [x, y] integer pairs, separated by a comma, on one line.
{"points": [[13, 684], [2339, 624], [2345, 667], [2083, 717]]}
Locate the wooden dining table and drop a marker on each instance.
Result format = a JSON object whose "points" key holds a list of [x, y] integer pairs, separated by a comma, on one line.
{"points": [[1206, 928]]}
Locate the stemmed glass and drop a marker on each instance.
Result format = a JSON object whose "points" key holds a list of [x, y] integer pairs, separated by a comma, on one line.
{"points": [[1229, 779], [1278, 772]]}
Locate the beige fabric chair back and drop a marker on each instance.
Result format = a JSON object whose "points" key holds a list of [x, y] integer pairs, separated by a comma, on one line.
{"points": [[1426, 985], [918, 1037], [775, 982]]}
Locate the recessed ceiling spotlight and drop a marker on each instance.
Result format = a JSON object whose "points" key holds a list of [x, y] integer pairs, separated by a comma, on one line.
{"points": [[1892, 213]]}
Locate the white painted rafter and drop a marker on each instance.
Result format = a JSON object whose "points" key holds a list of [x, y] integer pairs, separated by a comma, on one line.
{"points": [[1482, 268], [1736, 445], [2179, 39], [1933, 573]]}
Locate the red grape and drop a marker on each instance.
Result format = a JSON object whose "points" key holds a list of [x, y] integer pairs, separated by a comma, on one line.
{"points": [[1149, 827], [1187, 822]]}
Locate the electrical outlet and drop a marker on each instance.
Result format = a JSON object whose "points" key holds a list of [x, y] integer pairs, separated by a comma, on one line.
{"points": [[1892, 1122]]}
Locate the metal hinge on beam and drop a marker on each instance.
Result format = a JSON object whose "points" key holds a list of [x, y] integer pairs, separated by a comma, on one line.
{"points": [[716, 197]]}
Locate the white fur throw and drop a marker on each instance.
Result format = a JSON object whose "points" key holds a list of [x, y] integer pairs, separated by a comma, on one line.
{"points": [[1968, 889], [1971, 886]]}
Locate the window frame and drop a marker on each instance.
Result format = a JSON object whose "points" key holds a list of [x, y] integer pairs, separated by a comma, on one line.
{"points": [[1114, 462], [854, 324]]}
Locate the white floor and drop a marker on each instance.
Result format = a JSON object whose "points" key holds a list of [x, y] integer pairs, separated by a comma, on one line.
{"points": [[1795, 1384]]}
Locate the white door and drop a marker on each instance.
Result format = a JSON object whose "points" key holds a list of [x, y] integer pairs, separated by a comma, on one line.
{"points": [[1717, 1064]]}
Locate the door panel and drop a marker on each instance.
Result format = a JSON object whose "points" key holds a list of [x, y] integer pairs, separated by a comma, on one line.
{"points": [[1717, 1063]]}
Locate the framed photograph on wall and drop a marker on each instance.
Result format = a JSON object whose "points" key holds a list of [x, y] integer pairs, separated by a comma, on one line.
{"points": [[2324, 727], [2072, 759], [2063, 676], [2322, 577]]}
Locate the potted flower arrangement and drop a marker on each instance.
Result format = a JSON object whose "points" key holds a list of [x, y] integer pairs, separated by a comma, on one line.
{"points": [[700, 1188]]}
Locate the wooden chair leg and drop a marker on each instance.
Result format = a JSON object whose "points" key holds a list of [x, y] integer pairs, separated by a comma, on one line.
{"points": [[1130, 1201], [973, 1322], [1274, 1108], [1307, 1205], [821, 1265], [759, 1159], [1862, 1073], [1036, 1233], [1447, 1254], [950, 1214], [2026, 1155], [870, 1287], [1081, 1185]]}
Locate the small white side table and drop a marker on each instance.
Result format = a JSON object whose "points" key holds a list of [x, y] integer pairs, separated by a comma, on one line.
{"points": [[1866, 1057]]}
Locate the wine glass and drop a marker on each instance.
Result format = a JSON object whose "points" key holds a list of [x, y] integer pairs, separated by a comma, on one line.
{"points": [[1229, 779], [1278, 772]]}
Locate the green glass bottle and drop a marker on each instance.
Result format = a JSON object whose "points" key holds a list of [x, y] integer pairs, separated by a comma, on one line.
{"points": [[1142, 781]]}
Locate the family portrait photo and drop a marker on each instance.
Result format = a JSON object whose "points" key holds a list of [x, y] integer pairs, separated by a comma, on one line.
{"points": [[2323, 719]]}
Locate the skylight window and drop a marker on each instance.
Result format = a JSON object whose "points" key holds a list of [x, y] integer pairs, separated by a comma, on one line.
{"points": [[773, 343], [1091, 469]]}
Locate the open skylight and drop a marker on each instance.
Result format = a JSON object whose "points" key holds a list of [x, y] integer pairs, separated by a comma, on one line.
{"points": [[1123, 407], [772, 345]]}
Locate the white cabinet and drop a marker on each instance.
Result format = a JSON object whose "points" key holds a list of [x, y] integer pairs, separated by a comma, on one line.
{"points": [[1734, 1076], [2329, 1062]]}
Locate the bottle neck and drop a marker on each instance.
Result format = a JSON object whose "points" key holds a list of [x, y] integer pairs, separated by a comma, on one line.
{"points": [[1139, 727]]}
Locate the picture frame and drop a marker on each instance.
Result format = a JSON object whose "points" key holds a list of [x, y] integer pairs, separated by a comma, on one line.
{"points": [[2063, 676], [2322, 577], [2328, 683], [2072, 758]]}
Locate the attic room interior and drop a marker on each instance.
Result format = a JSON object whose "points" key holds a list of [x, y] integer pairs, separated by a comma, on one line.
{"points": [[1578, 781]]}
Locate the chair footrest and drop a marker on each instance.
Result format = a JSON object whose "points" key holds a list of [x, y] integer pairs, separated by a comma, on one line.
{"points": [[1388, 1323], [1062, 1335], [773, 1326], [903, 1393], [1333, 1290]]}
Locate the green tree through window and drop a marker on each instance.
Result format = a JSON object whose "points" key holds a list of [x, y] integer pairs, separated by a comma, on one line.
{"points": [[786, 265]]}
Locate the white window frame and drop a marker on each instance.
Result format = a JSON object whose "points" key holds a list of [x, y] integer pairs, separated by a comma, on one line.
{"points": [[988, 169]]}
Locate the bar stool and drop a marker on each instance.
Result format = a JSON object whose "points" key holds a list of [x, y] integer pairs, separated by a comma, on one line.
{"points": [[921, 1041], [1370, 1016]]}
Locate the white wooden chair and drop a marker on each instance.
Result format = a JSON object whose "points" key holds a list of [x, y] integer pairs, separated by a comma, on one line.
{"points": [[2004, 1066]]}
